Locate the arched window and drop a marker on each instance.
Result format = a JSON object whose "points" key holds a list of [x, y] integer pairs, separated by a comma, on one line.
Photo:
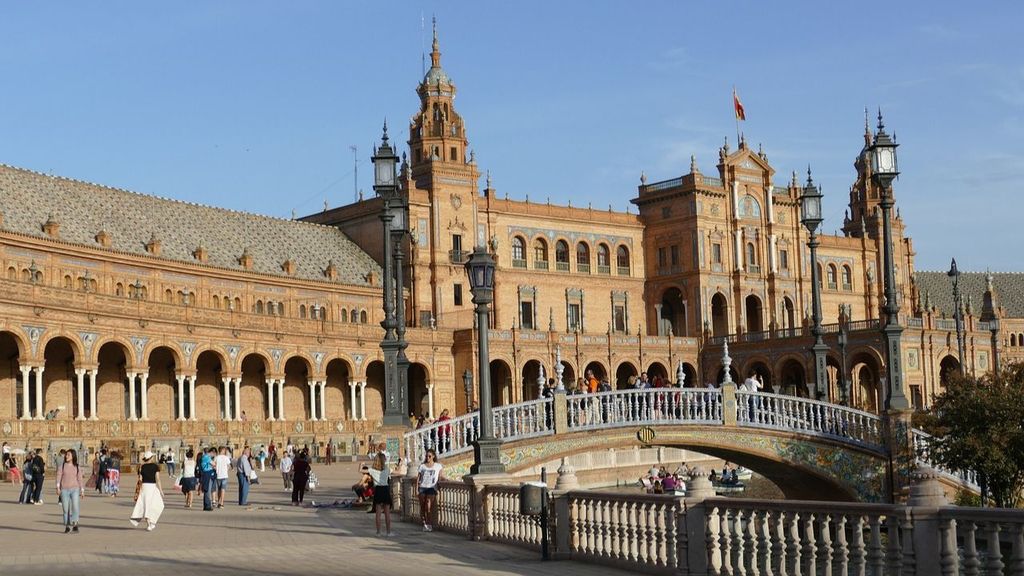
{"points": [[603, 259], [821, 278], [749, 207], [1013, 339], [751, 257], [362, 316], [622, 260], [119, 289], [68, 282], [518, 252], [354, 315], [302, 311], [562, 255], [583, 257], [847, 278], [238, 303], [344, 315], [259, 306], [540, 254], [169, 296], [26, 276], [12, 273], [832, 276], [1020, 339]]}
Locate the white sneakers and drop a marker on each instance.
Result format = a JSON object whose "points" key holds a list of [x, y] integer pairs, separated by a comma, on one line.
{"points": [[151, 527], [428, 528]]}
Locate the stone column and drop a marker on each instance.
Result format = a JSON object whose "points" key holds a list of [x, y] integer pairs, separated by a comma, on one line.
{"points": [[181, 397], [40, 400], [26, 406], [237, 395], [280, 399], [312, 399], [192, 397], [271, 384], [323, 399], [226, 385], [352, 399], [143, 381], [131, 396], [80, 374], [362, 400], [92, 395], [430, 401]]}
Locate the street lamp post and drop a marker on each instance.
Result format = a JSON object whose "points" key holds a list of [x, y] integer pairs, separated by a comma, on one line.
{"points": [[844, 393], [386, 187], [884, 170], [811, 218], [487, 450], [467, 383], [958, 314]]}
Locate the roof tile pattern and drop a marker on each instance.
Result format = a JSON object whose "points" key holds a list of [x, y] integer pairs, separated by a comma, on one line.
{"points": [[83, 209], [1009, 289]]}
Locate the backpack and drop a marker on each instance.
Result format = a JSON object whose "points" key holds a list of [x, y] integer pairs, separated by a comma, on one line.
{"points": [[37, 467]]}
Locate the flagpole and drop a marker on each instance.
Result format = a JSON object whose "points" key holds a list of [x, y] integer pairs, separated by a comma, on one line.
{"points": [[736, 117]]}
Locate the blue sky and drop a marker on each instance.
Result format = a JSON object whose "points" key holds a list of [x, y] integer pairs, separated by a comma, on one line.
{"points": [[253, 105]]}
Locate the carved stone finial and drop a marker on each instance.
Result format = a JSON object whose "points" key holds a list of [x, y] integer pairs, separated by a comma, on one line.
{"points": [[643, 178], [566, 477], [698, 486], [693, 164]]}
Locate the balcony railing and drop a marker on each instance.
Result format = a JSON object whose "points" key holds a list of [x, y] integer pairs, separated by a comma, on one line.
{"points": [[753, 269], [562, 266], [945, 324], [518, 263], [623, 270], [915, 322], [604, 269], [540, 264], [848, 287], [583, 268], [458, 256]]}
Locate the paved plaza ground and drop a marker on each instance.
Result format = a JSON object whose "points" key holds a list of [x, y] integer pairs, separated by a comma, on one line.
{"points": [[269, 538]]}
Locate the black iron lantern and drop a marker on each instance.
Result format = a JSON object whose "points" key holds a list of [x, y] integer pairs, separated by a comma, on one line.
{"points": [[384, 163], [884, 164], [480, 268], [810, 205]]}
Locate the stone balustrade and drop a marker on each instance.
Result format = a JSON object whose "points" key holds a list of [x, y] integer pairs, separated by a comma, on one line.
{"points": [[707, 535]]}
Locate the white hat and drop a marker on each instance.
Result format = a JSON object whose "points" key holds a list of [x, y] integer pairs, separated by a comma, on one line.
{"points": [[147, 455]]}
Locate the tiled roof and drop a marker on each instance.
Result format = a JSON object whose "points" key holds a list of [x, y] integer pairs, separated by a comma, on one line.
{"points": [[938, 289], [28, 199]]}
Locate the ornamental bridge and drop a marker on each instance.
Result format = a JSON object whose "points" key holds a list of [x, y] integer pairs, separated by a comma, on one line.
{"points": [[811, 450]]}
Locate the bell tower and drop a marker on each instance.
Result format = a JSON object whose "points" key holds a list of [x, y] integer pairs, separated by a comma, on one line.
{"points": [[863, 217]]}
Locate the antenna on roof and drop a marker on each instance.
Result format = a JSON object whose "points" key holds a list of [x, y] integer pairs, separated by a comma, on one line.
{"points": [[423, 45], [355, 172]]}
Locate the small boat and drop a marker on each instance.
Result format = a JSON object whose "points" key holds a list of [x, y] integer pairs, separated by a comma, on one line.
{"points": [[730, 488], [744, 474]]}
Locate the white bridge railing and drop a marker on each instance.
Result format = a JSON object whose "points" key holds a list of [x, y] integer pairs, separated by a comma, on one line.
{"points": [[669, 406]]}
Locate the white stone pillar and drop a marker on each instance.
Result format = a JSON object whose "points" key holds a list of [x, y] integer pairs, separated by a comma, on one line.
{"points": [[40, 400], [430, 402], [271, 384], [26, 406], [312, 398], [192, 397], [226, 385], [352, 399], [237, 395], [143, 381], [181, 397], [92, 395], [80, 374], [280, 399], [362, 400], [323, 399], [131, 396]]}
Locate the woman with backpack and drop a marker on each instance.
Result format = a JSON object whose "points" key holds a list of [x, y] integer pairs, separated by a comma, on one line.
{"points": [[70, 489]]}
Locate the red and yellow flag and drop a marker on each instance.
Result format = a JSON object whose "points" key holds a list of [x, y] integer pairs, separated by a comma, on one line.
{"points": [[738, 106]]}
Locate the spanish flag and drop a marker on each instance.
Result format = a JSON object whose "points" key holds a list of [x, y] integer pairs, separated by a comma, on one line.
{"points": [[738, 106]]}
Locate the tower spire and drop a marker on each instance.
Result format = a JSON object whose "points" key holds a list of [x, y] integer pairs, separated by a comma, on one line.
{"points": [[435, 53], [867, 127]]}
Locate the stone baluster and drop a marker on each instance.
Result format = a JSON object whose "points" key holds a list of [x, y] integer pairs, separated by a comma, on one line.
{"points": [[907, 555], [948, 547], [725, 539], [778, 550], [893, 551], [604, 516], [751, 552], [739, 536], [875, 556], [808, 553], [793, 543], [858, 558], [825, 544], [842, 550], [972, 563], [994, 557], [763, 557], [714, 540], [1017, 549], [615, 529]]}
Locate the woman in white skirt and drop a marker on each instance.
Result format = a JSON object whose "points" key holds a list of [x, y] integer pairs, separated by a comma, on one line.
{"points": [[149, 501]]}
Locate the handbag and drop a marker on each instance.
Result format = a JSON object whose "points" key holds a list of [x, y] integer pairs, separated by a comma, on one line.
{"points": [[138, 488], [253, 478]]}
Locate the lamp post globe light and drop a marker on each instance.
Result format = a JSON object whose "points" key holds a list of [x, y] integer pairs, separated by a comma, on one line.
{"points": [[385, 185], [884, 169], [810, 217], [487, 450], [958, 314]]}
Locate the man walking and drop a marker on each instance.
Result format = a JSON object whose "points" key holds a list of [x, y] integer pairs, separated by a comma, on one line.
{"points": [[38, 468], [209, 479], [243, 472], [223, 465], [286, 471]]}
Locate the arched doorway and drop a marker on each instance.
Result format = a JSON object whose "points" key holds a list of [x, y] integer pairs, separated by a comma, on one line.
{"points": [[296, 388], [209, 386], [112, 382], [337, 390], [949, 368], [568, 375], [753, 311], [793, 378], [10, 373], [58, 380], [865, 389], [418, 394], [623, 373], [788, 317], [833, 375], [162, 386], [657, 372], [719, 315], [253, 387], [673, 313], [733, 374], [690, 376], [597, 369], [501, 383], [764, 374], [372, 405], [531, 380]]}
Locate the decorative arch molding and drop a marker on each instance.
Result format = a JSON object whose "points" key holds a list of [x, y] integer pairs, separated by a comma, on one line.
{"points": [[129, 350], [72, 339], [20, 340], [170, 345]]}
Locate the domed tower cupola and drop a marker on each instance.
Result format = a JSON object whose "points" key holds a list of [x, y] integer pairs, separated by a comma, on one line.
{"points": [[436, 132]]}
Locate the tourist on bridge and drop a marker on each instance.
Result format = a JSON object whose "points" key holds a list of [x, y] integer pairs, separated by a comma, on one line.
{"points": [[427, 478], [70, 489], [149, 502]]}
